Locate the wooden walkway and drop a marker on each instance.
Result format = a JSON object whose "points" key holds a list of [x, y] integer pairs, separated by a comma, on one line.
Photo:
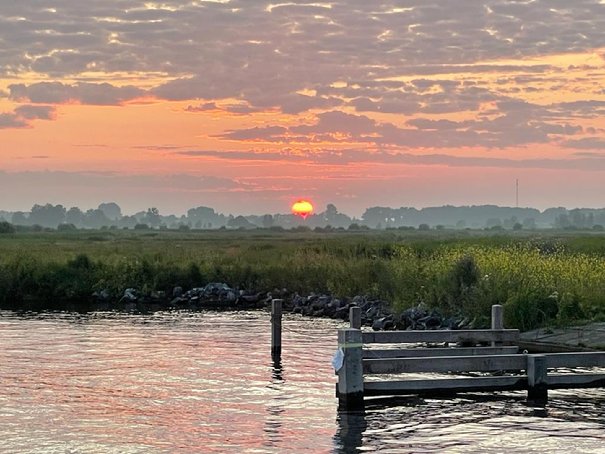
{"points": [[589, 337], [375, 364]]}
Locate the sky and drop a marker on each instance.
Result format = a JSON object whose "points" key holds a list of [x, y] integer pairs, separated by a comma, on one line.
{"points": [[247, 105]]}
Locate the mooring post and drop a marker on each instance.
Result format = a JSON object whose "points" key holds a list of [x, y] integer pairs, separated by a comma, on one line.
{"points": [[537, 389], [350, 375], [276, 312], [497, 319], [355, 317]]}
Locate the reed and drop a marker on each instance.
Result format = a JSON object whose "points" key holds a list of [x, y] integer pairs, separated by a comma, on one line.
{"points": [[539, 279]]}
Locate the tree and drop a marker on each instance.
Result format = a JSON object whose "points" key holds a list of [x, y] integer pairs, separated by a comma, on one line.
{"points": [[267, 221], [529, 223], [74, 216], [66, 228], [47, 215], [152, 217], [205, 217], [128, 222], [95, 219], [240, 222], [19, 218], [112, 210], [334, 218]]}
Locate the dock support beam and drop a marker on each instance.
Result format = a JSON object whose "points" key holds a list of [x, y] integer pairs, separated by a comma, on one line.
{"points": [[355, 317], [350, 375], [276, 315], [537, 387]]}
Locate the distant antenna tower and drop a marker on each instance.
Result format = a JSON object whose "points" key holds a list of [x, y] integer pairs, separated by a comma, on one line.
{"points": [[517, 194]]}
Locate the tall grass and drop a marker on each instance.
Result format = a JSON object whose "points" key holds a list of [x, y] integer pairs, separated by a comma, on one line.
{"points": [[539, 280]]}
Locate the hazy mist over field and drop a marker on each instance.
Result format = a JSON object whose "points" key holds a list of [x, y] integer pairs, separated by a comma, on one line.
{"points": [[489, 217]]}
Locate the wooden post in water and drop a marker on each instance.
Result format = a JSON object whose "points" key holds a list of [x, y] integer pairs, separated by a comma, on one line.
{"points": [[350, 375], [537, 387], [355, 317], [276, 315], [497, 320]]}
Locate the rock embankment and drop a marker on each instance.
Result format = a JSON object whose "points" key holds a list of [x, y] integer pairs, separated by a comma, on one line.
{"points": [[374, 312]]}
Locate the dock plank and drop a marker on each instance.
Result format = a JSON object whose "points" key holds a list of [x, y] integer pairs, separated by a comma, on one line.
{"points": [[431, 352], [567, 381], [476, 363], [445, 386], [577, 359], [438, 336]]}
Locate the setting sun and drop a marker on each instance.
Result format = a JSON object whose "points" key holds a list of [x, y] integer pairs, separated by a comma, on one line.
{"points": [[302, 208]]}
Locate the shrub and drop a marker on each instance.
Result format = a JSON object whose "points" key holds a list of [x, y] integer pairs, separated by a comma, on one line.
{"points": [[7, 227], [527, 310], [66, 228]]}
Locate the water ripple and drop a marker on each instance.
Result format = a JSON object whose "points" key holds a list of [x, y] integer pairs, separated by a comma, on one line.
{"points": [[205, 382]]}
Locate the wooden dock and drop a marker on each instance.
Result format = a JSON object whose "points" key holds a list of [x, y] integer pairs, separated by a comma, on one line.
{"points": [[458, 361]]}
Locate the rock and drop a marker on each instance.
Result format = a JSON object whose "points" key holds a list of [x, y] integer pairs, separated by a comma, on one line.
{"points": [[320, 303], [158, 295], [342, 313], [384, 323], [102, 296], [131, 295], [229, 296], [215, 288], [410, 317], [430, 322], [177, 291], [179, 301], [250, 299], [298, 301]]}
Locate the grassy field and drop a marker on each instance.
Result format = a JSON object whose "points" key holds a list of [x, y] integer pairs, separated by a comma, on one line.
{"points": [[540, 277]]}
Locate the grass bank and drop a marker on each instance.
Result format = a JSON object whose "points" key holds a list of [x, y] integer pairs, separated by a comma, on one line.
{"points": [[540, 277]]}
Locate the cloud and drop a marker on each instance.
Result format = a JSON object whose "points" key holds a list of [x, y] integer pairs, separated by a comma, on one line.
{"points": [[589, 154], [256, 133], [36, 112], [84, 93], [235, 109], [98, 181], [345, 157], [11, 120], [418, 61], [209, 51], [244, 155], [22, 116], [519, 124], [586, 143], [205, 107]]}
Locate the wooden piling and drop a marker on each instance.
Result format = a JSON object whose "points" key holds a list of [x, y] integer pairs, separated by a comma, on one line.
{"points": [[497, 320], [497, 316], [350, 375], [355, 317], [537, 388], [276, 316]]}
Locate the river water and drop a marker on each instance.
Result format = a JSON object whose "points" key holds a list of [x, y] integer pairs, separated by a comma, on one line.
{"points": [[205, 382]]}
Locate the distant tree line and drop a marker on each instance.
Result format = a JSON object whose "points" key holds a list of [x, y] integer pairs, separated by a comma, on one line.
{"points": [[109, 215]]}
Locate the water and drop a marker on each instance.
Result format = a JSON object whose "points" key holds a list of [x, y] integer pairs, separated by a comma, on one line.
{"points": [[181, 382]]}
